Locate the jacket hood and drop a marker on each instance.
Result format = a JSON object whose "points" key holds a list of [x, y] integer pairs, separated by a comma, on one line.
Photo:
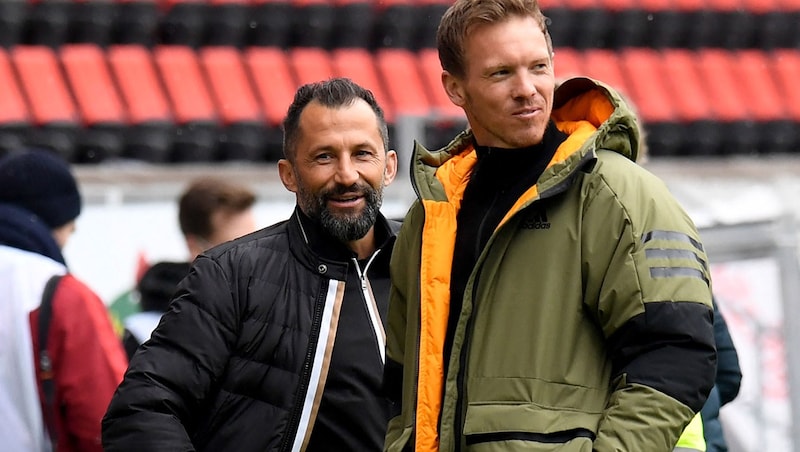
{"points": [[592, 114]]}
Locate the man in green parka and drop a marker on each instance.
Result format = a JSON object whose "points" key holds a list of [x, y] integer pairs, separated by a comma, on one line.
{"points": [[549, 294]]}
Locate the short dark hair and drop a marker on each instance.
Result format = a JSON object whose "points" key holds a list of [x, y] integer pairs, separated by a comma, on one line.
{"points": [[463, 15], [206, 196], [333, 93]]}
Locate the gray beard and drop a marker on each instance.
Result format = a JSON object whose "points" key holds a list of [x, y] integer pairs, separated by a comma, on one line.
{"points": [[345, 228]]}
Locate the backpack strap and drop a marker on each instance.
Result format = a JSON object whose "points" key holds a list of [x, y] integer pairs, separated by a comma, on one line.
{"points": [[45, 364]]}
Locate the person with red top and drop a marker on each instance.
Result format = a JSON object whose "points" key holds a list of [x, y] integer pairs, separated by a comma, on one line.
{"points": [[39, 202]]}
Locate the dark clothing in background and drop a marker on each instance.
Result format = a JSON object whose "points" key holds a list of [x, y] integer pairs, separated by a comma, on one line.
{"points": [[726, 387]]}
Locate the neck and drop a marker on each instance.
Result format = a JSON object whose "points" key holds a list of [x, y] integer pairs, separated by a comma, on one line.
{"points": [[365, 246]]}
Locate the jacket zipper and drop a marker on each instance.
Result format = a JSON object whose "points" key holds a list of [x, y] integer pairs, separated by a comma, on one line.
{"points": [[305, 376], [373, 315]]}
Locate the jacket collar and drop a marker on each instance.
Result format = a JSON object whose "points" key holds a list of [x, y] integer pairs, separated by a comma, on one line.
{"points": [[327, 255]]}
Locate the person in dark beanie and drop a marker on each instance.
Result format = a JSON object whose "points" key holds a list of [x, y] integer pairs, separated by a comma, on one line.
{"points": [[39, 202]]}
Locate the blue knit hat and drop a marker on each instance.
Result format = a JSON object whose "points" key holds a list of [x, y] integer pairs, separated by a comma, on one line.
{"points": [[40, 182]]}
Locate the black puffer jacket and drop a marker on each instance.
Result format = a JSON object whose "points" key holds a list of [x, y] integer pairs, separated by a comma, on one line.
{"points": [[241, 359]]}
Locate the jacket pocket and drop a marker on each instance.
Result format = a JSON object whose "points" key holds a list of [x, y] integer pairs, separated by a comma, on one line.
{"points": [[527, 427]]}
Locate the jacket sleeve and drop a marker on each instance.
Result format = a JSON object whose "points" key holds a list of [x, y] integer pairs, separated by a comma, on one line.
{"points": [[156, 406], [88, 363], [651, 294]]}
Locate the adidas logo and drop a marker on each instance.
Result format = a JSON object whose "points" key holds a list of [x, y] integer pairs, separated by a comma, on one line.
{"points": [[536, 220]]}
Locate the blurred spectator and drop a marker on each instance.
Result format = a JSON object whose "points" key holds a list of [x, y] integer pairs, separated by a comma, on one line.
{"points": [[155, 290], [39, 202], [211, 211]]}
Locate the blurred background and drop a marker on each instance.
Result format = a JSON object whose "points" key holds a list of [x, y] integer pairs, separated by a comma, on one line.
{"points": [[144, 95]]}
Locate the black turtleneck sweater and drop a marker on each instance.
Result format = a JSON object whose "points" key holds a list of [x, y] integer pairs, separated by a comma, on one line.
{"points": [[498, 179]]}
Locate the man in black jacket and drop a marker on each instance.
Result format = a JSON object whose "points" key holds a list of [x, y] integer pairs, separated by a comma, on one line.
{"points": [[275, 341]]}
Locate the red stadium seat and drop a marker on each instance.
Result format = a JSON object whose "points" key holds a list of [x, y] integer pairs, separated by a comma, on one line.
{"points": [[646, 85], [148, 110], [717, 69], [14, 118], [431, 71], [359, 66], [274, 85], [765, 99], [310, 64], [604, 65], [97, 99], [236, 103], [785, 66], [87, 73], [51, 105], [568, 63], [12, 103], [195, 140], [405, 89]]}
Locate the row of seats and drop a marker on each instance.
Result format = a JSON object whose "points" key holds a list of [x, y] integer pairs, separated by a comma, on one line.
{"points": [[706, 102], [411, 24], [178, 104], [328, 24]]}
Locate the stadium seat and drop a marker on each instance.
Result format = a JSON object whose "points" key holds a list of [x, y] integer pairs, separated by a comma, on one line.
{"points": [[765, 101], [271, 23], [310, 64], [647, 92], [12, 21], [196, 136], [149, 137], [701, 27], [14, 118], [353, 24], [92, 21], [48, 23], [666, 26], [703, 133], [359, 66], [593, 23], [406, 91], [136, 23], [430, 12], [98, 102], [447, 119], [785, 67], [396, 24], [274, 86], [313, 23], [226, 23], [604, 65], [242, 138], [717, 69], [736, 25], [560, 24], [567, 63], [431, 70], [631, 23], [183, 24], [51, 106]]}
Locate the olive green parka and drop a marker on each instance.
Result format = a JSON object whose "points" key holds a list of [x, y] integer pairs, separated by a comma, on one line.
{"points": [[586, 323]]}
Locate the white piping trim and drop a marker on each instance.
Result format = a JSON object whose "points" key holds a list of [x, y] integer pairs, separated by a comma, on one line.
{"points": [[316, 367]]}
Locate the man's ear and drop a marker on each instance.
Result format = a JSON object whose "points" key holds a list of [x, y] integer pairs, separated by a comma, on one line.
{"points": [[452, 86], [286, 172], [391, 167]]}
